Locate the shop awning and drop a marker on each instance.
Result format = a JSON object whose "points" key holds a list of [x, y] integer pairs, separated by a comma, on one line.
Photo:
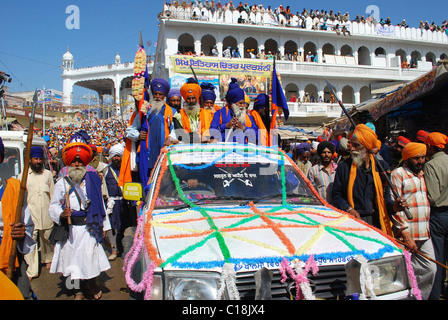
{"points": [[384, 104], [297, 133]]}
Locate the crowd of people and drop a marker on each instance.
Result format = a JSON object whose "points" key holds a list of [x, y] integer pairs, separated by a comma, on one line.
{"points": [[75, 210], [347, 169], [284, 16]]}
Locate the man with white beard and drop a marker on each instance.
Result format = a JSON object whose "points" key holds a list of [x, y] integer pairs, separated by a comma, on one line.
{"points": [[358, 187], [149, 130], [192, 122], [232, 122], [78, 209]]}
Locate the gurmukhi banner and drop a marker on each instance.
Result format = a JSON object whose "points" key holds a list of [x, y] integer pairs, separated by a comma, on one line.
{"points": [[181, 64]]}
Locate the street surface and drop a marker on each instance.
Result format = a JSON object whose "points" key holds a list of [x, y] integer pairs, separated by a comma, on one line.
{"points": [[52, 286]]}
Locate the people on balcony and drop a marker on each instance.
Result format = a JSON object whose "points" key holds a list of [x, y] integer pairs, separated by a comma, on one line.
{"points": [[283, 16]]}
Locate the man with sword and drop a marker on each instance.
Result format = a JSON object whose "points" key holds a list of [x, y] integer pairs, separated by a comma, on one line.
{"points": [[77, 204], [361, 184]]}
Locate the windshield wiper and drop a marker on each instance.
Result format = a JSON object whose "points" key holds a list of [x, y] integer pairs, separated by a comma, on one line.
{"points": [[186, 205]]}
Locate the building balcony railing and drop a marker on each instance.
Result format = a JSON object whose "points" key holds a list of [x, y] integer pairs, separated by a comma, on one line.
{"points": [[347, 71], [366, 28], [310, 109]]}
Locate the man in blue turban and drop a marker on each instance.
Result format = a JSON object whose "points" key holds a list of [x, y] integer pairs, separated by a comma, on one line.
{"points": [[150, 131], [40, 188], [232, 122], [208, 96], [174, 99]]}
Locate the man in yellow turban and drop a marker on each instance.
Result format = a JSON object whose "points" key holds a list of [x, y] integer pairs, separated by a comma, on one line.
{"points": [[436, 177], [409, 182], [358, 187]]}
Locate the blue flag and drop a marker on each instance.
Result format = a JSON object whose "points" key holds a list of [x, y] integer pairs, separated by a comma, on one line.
{"points": [[278, 99]]}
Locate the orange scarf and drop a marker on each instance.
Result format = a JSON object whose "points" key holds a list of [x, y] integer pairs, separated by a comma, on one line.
{"points": [[8, 290], [9, 206], [205, 119], [386, 224], [264, 139], [125, 169]]}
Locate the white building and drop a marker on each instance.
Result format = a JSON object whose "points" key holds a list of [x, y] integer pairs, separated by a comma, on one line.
{"points": [[113, 79], [357, 65]]}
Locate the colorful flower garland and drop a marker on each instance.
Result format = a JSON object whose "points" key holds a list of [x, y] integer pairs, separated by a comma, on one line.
{"points": [[273, 219]]}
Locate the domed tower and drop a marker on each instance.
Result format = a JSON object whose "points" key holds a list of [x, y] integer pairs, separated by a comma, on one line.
{"points": [[67, 83], [67, 61]]}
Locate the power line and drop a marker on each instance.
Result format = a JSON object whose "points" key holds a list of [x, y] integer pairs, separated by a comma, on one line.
{"points": [[12, 73], [24, 58]]}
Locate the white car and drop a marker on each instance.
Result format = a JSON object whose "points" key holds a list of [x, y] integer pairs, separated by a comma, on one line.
{"points": [[232, 221], [15, 145]]}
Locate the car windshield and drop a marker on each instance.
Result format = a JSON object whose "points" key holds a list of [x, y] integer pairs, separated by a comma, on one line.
{"points": [[221, 182]]}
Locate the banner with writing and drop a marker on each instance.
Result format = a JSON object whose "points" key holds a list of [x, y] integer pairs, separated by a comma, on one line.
{"points": [[208, 65], [386, 30]]}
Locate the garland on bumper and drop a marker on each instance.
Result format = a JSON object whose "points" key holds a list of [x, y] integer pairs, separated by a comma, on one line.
{"points": [[224, 225]]}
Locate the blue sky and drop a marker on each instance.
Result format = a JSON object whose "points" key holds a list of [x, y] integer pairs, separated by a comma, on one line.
{"points": [[34, 34]]}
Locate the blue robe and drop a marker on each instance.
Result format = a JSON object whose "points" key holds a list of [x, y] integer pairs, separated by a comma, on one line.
{"points": [[96, 211], [220, 120], [114, 191], [154, 124]]}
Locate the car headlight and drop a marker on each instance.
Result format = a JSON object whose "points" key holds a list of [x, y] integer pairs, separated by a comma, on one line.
{"points": [[389, 275], [191, 285]]}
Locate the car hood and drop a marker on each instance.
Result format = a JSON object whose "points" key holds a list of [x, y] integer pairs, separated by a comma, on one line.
{"points": [[262, 235]]}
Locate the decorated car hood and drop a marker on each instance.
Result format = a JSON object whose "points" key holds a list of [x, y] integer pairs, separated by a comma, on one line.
{"points": [[261, 235]]}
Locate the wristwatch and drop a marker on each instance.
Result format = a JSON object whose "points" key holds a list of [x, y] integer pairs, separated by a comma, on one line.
{"points": [[349, 209]]}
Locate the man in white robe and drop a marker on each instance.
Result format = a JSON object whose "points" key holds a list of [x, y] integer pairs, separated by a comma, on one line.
{"points": [[80, 255]]}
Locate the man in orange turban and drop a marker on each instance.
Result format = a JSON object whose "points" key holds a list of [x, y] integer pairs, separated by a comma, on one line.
{"points": [[436, 178], [421, 135], [437, 139], [192, 123], [409, 182], [77, 208], [77, 150], [358, 187], [191, 89]]}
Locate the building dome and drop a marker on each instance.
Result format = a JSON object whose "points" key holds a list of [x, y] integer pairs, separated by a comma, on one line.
{"points": [[67, 60], [67, 55]]}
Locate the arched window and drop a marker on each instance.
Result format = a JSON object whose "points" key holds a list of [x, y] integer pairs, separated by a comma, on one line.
{"points": [[310, 93], [207, 43], [271, 45], [347, 51], [380, 52], [229, 41], [365, 94], [186, 43], [348, 95], [290, 89], [431, 57], [402, 54], [364, 56], [290, 47], [249, 44], [328, 48]]}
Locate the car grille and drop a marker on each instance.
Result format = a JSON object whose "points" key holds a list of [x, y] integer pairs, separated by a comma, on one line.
{"points": [[329, 283]]}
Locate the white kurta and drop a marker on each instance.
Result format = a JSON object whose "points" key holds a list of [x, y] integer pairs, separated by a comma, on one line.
{"points": [[81, 256]]}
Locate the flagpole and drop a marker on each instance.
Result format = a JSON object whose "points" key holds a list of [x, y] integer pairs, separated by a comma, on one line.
{"points": [[43, 116]]}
